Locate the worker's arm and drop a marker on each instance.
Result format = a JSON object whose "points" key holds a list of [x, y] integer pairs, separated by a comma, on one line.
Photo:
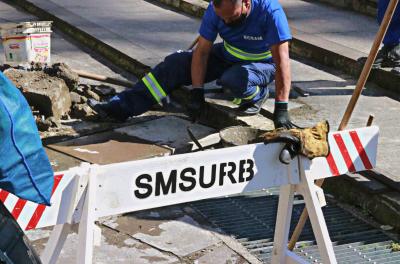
{"points": [[199, 68], [199, 61], [280, 55]]}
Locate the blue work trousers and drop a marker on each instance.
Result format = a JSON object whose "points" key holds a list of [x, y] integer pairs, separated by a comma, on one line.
{"points": [[243, 79], [392, 36]]}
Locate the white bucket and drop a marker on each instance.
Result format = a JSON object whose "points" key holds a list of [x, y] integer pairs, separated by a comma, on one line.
{"points": [[26, 42]]}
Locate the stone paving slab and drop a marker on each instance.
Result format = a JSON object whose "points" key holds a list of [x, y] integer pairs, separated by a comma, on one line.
{"points": [[167, 131], [115, 248], [221, 254], [178, 237]]}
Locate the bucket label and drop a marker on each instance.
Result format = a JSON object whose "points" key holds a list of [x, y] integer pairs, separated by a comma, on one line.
{"points": [[27, 48]]}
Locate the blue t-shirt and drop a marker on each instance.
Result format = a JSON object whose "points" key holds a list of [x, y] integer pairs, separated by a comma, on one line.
{"points": [[265, 26]]}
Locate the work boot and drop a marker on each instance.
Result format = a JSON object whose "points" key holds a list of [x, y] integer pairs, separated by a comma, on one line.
{"points": [[104, 110], [381, 57], [396, 70], [253, 108], [393, 57]]}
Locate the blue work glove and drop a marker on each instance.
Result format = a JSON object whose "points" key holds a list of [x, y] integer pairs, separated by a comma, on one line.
{"points": [[196, 103], [281, 116]]}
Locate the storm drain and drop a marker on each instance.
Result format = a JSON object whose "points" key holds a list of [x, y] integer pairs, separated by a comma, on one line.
{"points": [[251, 219]]}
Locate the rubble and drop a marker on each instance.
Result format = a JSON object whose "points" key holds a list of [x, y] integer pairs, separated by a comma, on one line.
{"points": [[54, 93], [104, 90], [81, 111], [48, 94], [62, 71]]}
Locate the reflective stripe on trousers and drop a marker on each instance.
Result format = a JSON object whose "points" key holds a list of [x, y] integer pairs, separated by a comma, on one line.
{"points": [[154, 87], [238, 101]]}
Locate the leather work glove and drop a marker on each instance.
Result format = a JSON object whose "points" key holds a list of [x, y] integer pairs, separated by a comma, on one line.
{"points": [[292, 143], [311, 142], [196, 103], [281, 116]]}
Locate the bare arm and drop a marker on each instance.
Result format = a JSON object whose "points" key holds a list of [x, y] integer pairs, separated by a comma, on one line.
{"points": [[199, 61], [280, 55]]}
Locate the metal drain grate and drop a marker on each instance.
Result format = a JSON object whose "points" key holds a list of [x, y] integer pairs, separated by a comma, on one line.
{"points": [[251, 219]]}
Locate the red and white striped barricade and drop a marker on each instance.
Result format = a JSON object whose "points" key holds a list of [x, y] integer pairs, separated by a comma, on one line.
{"points": [[86, 193]]}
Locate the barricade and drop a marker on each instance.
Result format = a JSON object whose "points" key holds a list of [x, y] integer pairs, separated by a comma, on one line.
{"points": [[86, 193]]}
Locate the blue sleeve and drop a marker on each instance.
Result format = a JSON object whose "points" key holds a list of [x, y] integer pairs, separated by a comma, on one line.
{"points": [[277, 24], [208, 28]]}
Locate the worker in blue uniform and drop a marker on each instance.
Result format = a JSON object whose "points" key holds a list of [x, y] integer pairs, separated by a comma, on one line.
{"points": [[254, 52], [389, 55]]}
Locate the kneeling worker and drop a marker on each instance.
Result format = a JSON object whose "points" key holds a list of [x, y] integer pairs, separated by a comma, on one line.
{"points": [[254, 52]]}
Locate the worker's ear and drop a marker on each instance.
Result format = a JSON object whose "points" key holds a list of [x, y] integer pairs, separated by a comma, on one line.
{"points": [[246, 3]]}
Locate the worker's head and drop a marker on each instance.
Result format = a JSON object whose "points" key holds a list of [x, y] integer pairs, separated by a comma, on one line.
{"points": [[232, 12]]}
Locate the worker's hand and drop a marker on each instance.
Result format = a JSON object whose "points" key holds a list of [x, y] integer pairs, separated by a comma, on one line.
{"points": [[196, 103], [281, 116]]}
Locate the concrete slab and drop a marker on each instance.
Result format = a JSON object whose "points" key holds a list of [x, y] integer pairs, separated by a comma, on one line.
{"points": [[61, 162], [110, 147], [169, 131], [115, 248], [221, 254], [186, 229], [207, 141]]}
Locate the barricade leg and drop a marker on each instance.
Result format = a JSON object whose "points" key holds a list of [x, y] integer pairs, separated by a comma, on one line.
{"points": [[284, 215], [55, 243], [87, 226], [280, 253], [309, 191], [71, 195]]}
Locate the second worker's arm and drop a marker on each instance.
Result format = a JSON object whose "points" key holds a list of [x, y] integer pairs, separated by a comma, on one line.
{"points": [[198, 72], [280, 54]]}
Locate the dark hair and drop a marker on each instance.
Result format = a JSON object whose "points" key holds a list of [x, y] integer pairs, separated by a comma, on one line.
{"points": [[217, 3]]}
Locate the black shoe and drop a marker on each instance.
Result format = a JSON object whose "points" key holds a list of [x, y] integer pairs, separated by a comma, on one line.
{"points": [[393, 57], [396, 70], [104, 110], [253, 108], [381, 57]]}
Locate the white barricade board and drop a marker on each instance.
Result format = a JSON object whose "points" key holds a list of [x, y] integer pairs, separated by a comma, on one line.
{"points": [[31, 215], [350, 151], [156, 182]]}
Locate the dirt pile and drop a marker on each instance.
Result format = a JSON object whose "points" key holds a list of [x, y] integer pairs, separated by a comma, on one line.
{"points": [[54, 93]]}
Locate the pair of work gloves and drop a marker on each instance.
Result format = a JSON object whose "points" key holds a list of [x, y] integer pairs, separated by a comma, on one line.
{"points": [[197, 104], [311, 142]]}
